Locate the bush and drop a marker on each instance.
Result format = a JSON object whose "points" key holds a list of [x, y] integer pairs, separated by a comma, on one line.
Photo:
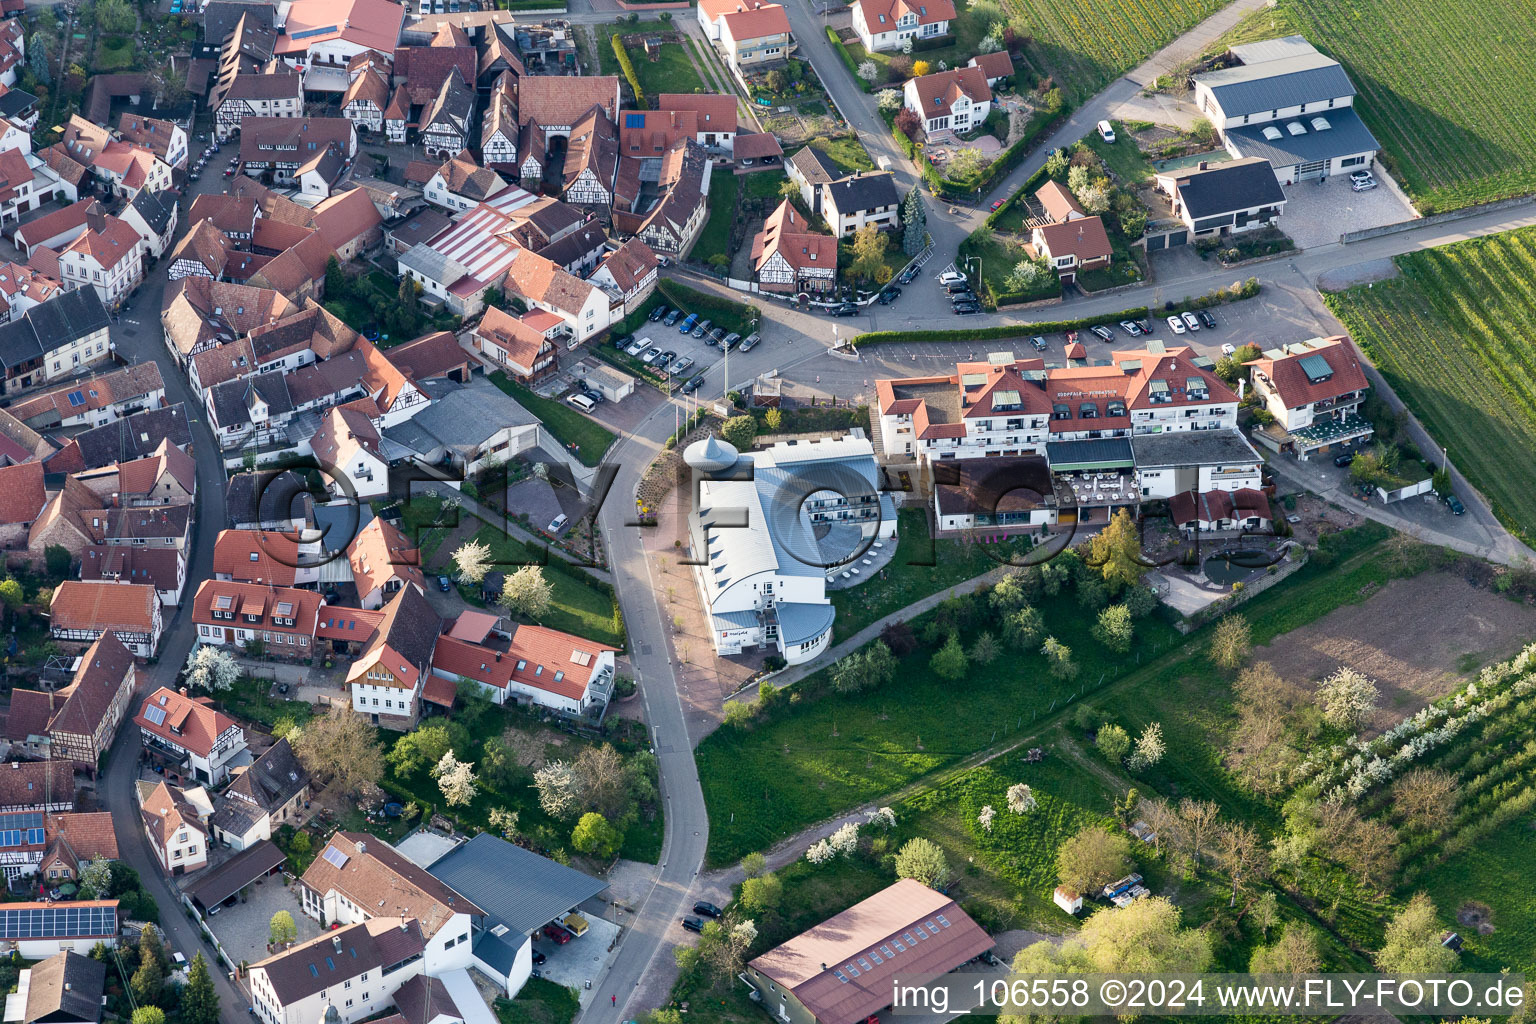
{"points": [[628, 67]]}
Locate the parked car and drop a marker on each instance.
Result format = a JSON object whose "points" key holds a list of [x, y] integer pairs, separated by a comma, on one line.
{"points": [[1228, 349], [1176, 324], [729, 341], [593, 393], [997, 204], [693, 384], [665, 359], [1191, 322], [444, 584], [1344, 460], [750, 341], [637, 346], [1039, 342], [1362, 184], [650, 355], [693, 924], [1146, 326], [671, 318], [909, 275], [967, 309], [717, 336], [558, 523], [1455, 505], [959, 287], [1131, 327], [621, 341], [707, 909], [658, 313], [556, 934], [889, 295], [686, 327], [1359, 175], [951, 277], [702, 328], [1106, 131], [680, 366], [1207, 318], [538, 958], [1103, 333], [846, 309]]}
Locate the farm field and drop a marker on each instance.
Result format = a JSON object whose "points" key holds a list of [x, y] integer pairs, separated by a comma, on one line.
{"points": [[1085, 44], [1449, 336], [1458, 131]]}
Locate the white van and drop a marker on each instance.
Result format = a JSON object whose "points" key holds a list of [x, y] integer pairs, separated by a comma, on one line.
{"points": [[1106, 131], [581, 402]]}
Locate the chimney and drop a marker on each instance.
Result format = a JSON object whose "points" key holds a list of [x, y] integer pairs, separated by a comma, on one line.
{"points": [[182, 691], [1202, 165], [362, 847], [498, 655], [336, 942]]}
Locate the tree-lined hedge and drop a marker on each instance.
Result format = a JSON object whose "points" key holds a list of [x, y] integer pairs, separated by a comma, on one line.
{"points": [[842, 50], [628, 68], [1001, 331]]}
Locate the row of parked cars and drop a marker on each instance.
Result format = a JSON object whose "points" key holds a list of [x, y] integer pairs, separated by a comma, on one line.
{"points": [[962, 300]]}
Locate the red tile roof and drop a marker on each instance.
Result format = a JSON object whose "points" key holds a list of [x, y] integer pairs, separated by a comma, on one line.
{"points": [[1083, 237], [256, 556], [22, 495], [188, 723], [937, 92], [128, 607], [1297, 389], [715, 112], [380, 551], [268, 602]]}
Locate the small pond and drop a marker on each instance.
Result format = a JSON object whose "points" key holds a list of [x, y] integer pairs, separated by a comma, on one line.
{"points": [[1228, 567]]}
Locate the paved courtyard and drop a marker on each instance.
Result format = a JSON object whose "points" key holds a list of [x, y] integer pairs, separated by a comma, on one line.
{"points": [[581, 960], [243, 928], [1317, 214]]}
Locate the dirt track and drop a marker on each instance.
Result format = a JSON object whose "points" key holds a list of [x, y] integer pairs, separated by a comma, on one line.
{"points": [[1416, 638]]}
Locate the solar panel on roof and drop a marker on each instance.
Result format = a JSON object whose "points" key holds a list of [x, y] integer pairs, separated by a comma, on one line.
{"points": [[154, 715], [76, 398], [1315, 367], [334, 856], [313, 32], [634, 120], [57, 922]]}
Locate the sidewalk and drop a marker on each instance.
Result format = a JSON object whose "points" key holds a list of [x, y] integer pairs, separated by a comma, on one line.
{"points": [[795, 673]]}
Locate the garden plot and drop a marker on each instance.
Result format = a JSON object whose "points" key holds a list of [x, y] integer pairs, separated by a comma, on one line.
{"points": [[1417, 638]]}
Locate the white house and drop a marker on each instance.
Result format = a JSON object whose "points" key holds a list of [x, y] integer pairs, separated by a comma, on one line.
{"points": [[1225, 198], [955, 101], [383, 562], [753, 35], [108, 256], [628, 272], [153, 216], [764, 582], [1289, 104], [461, 184], [387, 679], [347, 443], [52, 928], [187, 733], [175, 830], [528, 664], [862, 198], [354, 970], [1314, 389], [888, 24]]}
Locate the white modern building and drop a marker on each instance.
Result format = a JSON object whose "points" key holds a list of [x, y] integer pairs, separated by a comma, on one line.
{"points": [[888, 24], [767, 530]]}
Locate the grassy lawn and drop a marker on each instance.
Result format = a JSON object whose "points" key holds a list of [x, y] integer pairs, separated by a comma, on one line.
{"points": [[249, 701], [805, 760], [715, 239], [1491, 874], [1451, 336], [846, 151], [998, 256], [1085, 44], [764, 184], [581, 604], [672, 71], [1457, 132], [541, 1001], [564, 423], [922, 566], [1123, 157]]}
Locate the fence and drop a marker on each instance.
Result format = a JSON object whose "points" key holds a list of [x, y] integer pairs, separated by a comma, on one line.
{"points": [[1422, 487], [1437, 218]]}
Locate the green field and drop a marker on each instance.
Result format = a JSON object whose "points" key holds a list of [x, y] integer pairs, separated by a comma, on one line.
{"points": [[564, 423], [1085, 44], [1451, 335], [672, 71], [1458, 131], [715, 238]]}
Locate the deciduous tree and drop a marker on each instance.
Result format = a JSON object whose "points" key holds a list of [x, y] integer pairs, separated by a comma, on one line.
{"points": [[1113, 742], [1295, 952], [740, 431], [949, 661], [986, 649], [1230, 641], [556, 784], [96, 879], [595, 837], [1425, 798], [212, 669], [1413, 941], [869, 245], [1021, 798], [1058, 658], [456, 779], [1347, 699], [281, 929], [340, 745], [753, 865], [1243, 856], [1115, 551], [1114, 629], [908, 123], [527, 592], [473, 560], [1092, 859], [1143, 938], [762, 894], [1149, 748], [1022, 628], [602, 779], [923, 860]]}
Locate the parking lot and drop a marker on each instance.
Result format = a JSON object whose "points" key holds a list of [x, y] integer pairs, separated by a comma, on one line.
{"points": [[581, 960], [1316, 214], [243, 928]]}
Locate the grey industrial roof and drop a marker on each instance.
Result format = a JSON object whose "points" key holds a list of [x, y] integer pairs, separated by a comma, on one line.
{"points": [[1272, 49], [241, 870], [801, 622], [1227, 187], [1192, 448], [1347, 136], [515, 887], [1275, 84], [1092, 451], [462, 418]]}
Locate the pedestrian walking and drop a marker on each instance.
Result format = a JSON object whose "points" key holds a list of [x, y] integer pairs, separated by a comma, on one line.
{"points": [[615, 1000]]}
